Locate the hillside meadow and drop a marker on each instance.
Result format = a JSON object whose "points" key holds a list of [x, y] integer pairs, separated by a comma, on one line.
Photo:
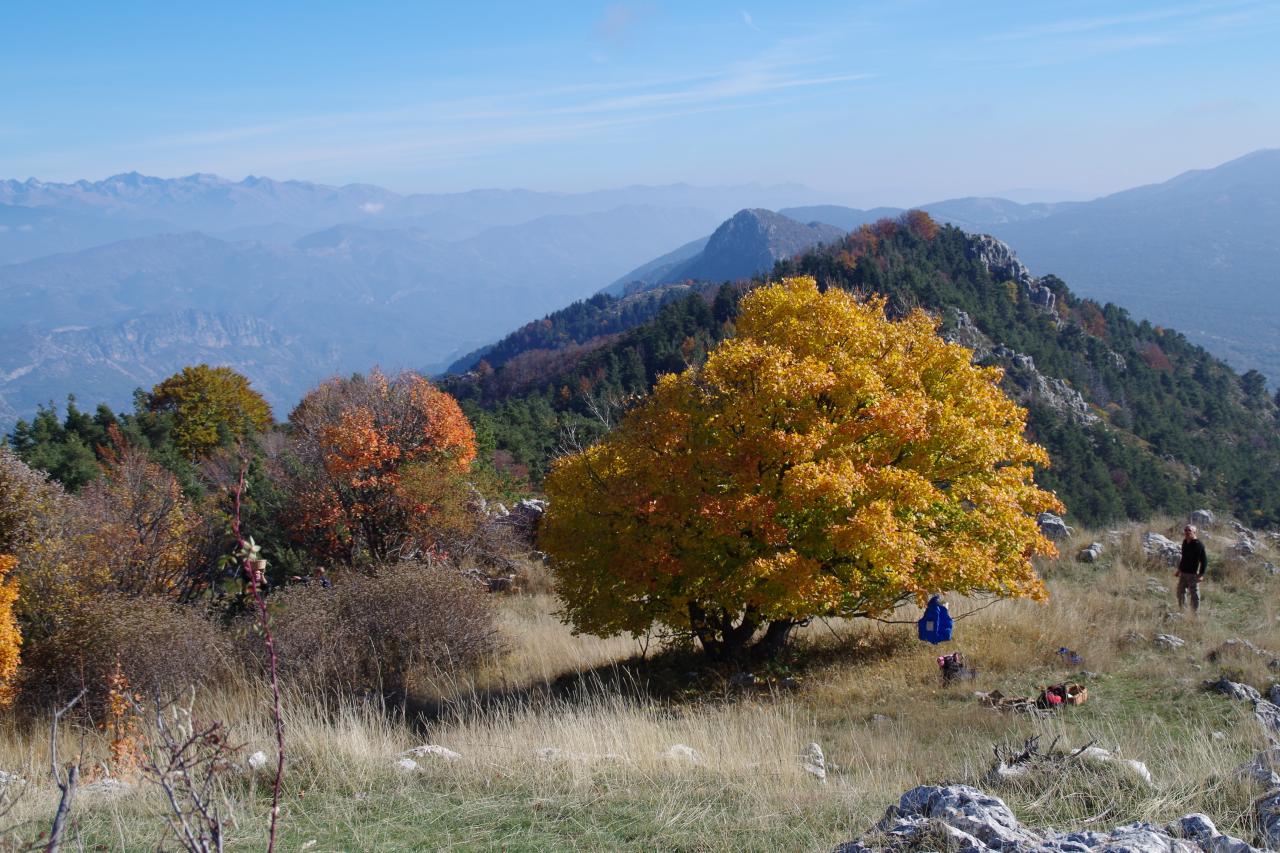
{"points": [[565, 742]]}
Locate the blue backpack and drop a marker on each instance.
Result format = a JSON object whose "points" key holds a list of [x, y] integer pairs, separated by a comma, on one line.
{"points": [[935, 624]]}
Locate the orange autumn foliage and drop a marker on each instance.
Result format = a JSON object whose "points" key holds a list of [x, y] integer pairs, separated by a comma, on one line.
{"points": [[10, 635], [370, 444], [826, 461]]}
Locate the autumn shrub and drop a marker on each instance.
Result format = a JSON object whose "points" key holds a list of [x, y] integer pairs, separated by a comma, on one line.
{"points": [[387, 630], [27, 498], [162, 648], [377, 462]]}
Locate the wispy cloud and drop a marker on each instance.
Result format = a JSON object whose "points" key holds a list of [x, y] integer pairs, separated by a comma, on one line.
{"points": [[1155, 23], [504, 119], [746, 19]]}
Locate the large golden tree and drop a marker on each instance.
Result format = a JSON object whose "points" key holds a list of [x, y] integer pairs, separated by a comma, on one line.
{"points": [[211, 406], [826, 461]]}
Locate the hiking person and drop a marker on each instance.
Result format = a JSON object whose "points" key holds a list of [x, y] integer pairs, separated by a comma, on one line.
{"points": [[1191, 568]]}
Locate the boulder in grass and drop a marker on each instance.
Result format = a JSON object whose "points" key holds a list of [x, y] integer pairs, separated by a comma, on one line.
{"points": [[1053, 527], [1268, 811], [1161, 547], [433, 750], [958, 817], [1202, 518], [1091, 554], [681, 752], [814, 762]]}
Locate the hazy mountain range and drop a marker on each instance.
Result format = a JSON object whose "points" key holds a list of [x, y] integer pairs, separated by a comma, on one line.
{"points": [[112, 285]]}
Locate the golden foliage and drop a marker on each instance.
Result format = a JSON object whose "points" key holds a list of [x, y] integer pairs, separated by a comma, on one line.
{"points": [[826, 461], [10, 634], [211, 406]]}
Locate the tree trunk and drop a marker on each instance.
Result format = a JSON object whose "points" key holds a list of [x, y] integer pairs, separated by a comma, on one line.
{"points": [[774, 640], [720, 638]]}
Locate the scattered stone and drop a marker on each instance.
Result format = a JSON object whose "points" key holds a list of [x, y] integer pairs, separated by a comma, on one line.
{"points": [[815, 763], [1091, 554], [1161, 547], [681, 752], [1200, 829], [406, 765], [1154, 585], [1271, 568], [7, 778], [1218, 736], [1202, 518], [1267, 713], [788, 683], [258, 760], [1273, 694], [1241, 529], [1262, 768], [433, 750], [1229, 844], [1234, 690], [1133, 638], [742, 680], [880, 719], [958, 817], [1169, 641], [965, 819], [1097, 753], [1244, 547], [107, 787], [1268, 810], [1053, 527]]}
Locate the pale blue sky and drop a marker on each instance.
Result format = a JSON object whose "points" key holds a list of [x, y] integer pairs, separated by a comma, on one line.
{"points": [[894, 102]]}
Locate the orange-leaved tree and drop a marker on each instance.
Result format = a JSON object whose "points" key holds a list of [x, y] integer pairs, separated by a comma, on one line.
{"points": [[10, 635], [367, 446], [211, 407], [826, 461]]}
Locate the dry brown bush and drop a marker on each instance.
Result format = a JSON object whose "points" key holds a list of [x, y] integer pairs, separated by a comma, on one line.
{"points": [[387, 630], [163, 648]]}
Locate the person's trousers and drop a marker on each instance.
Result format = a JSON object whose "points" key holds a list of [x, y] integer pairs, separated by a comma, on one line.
{"points": [[1189, 583]]}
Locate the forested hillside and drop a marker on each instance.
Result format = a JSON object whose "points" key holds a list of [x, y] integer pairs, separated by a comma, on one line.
{"points": [[1137, 419]]}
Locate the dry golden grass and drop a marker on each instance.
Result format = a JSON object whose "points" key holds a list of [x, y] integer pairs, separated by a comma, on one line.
{"points": [[869, 694]]}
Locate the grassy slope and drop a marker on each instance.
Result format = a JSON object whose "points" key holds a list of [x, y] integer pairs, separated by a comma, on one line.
{"points": [[870, 695]]}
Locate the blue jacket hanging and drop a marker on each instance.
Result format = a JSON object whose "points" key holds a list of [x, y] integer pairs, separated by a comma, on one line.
{"points": [[935, 624]]}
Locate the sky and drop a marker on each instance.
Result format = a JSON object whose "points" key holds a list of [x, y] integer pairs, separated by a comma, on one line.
{"points": [[870, 102]]}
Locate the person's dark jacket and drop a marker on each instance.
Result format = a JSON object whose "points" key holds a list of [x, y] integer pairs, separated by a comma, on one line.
{"points": [[1194, 559]]}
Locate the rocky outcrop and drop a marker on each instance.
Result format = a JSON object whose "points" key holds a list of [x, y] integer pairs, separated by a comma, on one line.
{"points": [[959, 817], [1003, 265], [1026, 382]]}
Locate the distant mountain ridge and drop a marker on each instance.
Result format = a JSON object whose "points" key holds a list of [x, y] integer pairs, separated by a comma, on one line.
{"points": [[748, 243]]}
